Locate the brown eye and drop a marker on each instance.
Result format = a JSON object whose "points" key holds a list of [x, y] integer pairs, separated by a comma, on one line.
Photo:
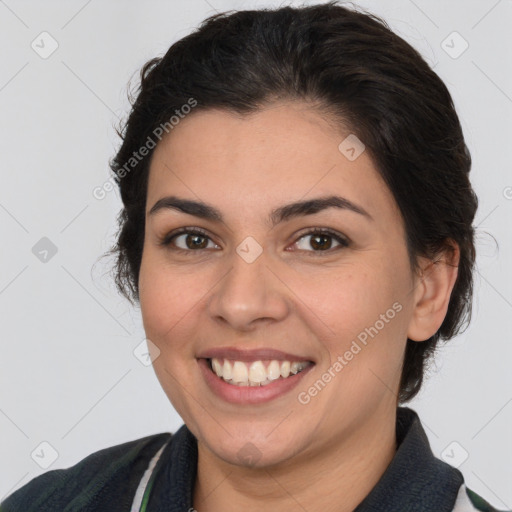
{"points": [[193, 241], [320, 241], [188, 240]]}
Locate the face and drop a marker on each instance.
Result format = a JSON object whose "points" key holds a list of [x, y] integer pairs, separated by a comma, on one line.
{"points": [[329, 286]]}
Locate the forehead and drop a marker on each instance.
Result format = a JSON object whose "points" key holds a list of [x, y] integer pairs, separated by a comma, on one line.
{"points": [[287, 151]]}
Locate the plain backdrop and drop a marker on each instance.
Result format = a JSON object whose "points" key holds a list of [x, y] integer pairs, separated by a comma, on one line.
{"points": [[70, 383]]}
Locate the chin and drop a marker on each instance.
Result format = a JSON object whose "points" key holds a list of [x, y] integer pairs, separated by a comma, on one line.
{"points": [[251, 448]]}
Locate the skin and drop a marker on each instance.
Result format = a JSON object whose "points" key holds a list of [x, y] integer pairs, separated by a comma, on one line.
{"points": [[304, 300]]}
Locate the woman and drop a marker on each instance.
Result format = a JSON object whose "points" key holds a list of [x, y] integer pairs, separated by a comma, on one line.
{"points": [[297, 228]]}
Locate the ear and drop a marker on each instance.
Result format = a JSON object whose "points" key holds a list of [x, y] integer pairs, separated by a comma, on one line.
{"points": [[432, 291]]}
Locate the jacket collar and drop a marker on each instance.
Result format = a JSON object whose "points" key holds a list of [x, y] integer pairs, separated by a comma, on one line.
{"points": [[414, 480]]}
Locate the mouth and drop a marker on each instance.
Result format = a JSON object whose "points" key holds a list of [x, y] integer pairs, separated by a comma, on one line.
{"points": [[255, 373], [252, 382]]}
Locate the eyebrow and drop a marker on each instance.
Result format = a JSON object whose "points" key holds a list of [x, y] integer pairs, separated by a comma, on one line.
{"points": [[283, 213]]}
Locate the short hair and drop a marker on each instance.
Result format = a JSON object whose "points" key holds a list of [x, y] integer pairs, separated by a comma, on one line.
{"points": [[359, 73]]}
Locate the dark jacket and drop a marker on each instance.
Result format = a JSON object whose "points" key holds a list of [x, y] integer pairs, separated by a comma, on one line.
{"points": [[158, 472]]}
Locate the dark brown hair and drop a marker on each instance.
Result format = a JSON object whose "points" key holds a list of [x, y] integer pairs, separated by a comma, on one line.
{"points": [[363, 75]]}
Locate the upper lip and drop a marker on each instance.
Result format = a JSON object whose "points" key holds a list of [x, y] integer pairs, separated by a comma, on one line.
{"points": [[237, 354]]}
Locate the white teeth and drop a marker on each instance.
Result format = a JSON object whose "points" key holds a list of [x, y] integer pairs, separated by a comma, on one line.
{"points": [[294, 368], [273, 370], [227, 370], [217, 367], [255, 373], [240, 372], [285, 369]]}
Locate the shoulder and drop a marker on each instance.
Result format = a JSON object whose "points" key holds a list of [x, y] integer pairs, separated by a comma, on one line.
{"points": [[105, 480], [470, 501]]}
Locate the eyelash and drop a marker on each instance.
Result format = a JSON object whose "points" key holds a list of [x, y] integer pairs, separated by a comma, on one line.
{"points": [[167, 240]]}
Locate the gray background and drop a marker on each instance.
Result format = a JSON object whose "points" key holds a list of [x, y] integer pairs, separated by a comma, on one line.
{"points": [[68, 376]]}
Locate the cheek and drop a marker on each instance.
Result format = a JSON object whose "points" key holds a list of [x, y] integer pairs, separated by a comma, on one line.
{"points": [[171, 299], [358, 305], [345, 300], [163, 298]]}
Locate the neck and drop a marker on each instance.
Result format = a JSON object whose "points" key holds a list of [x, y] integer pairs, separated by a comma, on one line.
{"points": [[345, 470]]}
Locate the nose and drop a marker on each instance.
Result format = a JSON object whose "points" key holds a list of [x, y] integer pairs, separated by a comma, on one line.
{"points": [[250, 293]]}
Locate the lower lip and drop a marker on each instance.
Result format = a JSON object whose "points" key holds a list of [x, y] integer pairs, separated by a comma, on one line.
{"points": [[250, 394]]}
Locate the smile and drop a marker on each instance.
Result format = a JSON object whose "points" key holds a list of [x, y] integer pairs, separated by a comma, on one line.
{"points": [[252, 382], [257, 373]]}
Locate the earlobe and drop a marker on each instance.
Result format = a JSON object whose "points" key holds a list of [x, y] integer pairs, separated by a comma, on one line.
{"points": [[432, 293]]}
